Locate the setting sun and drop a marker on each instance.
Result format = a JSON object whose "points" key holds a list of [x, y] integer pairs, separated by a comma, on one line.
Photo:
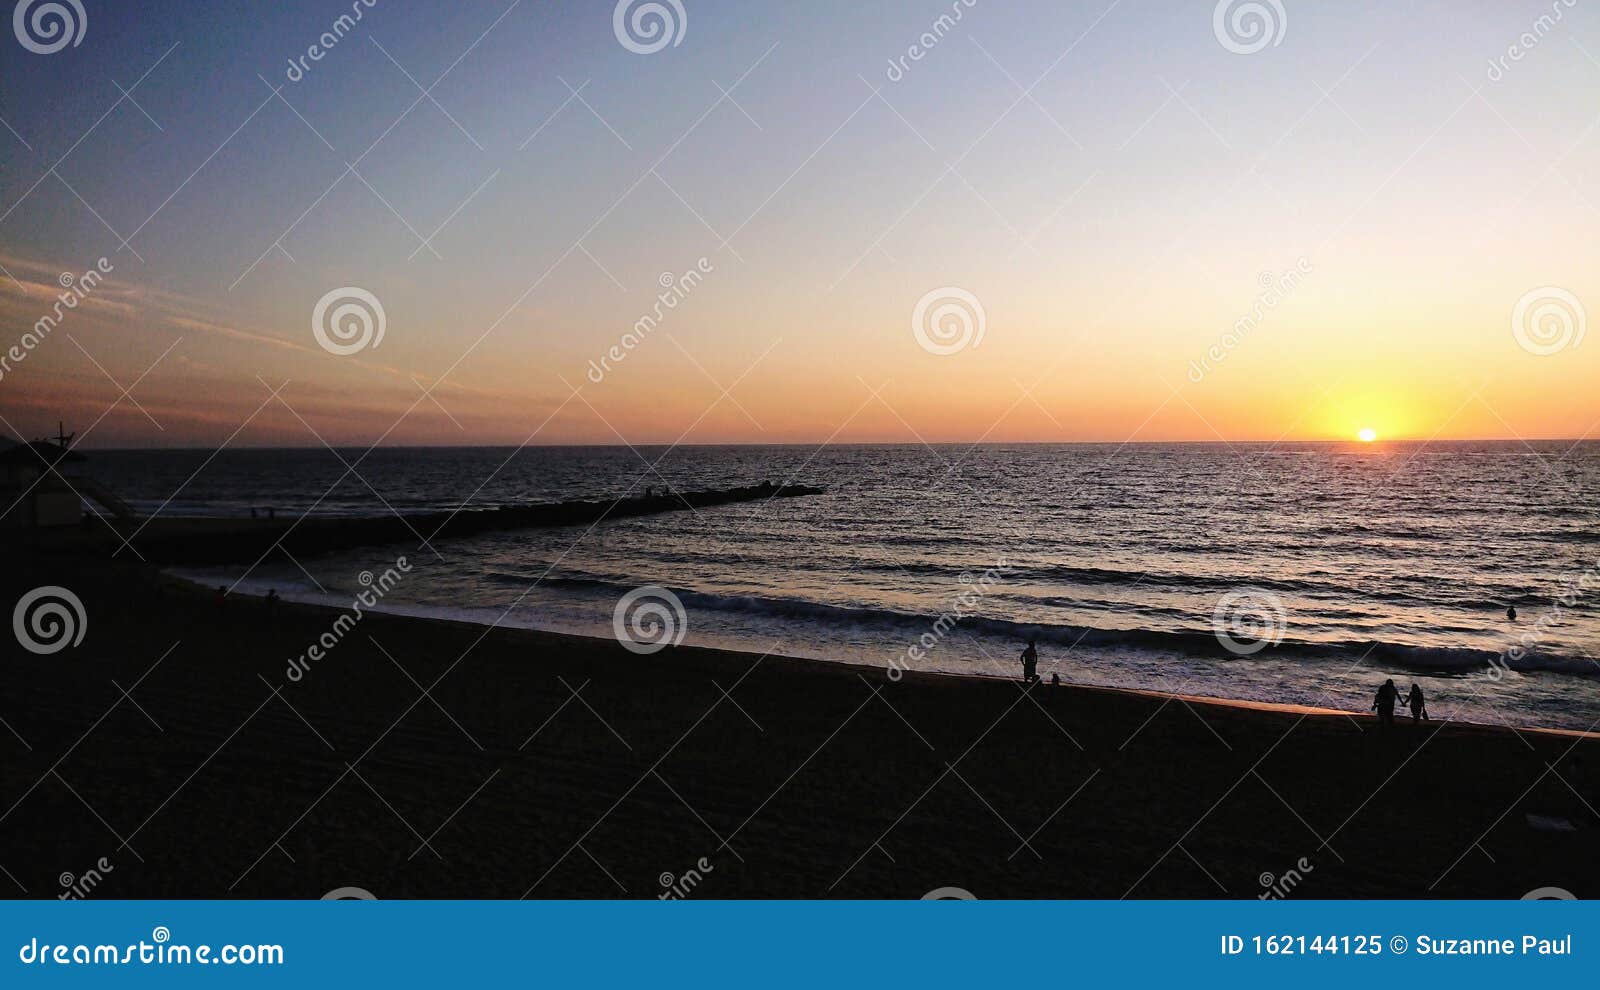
{"points": [[1367, 435]]}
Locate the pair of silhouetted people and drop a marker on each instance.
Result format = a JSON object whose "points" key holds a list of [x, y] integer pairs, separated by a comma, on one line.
{"points": [[1388, 695], [1030, 663]]}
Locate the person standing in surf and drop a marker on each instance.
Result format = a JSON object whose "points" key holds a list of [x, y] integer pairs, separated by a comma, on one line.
{"points": [[1030, 663]]}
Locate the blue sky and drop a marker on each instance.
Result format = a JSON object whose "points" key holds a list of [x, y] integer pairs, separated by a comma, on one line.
{"points": [[1115, 220]]}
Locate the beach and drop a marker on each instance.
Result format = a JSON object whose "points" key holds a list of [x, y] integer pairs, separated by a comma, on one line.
{"points": [[419, 758]]}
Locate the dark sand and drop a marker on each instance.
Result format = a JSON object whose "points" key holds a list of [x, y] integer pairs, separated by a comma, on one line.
{"points": [[822, 781]]}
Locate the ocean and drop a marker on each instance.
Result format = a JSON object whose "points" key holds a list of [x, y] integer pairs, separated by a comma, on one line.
{"points": [[1297, 573]]}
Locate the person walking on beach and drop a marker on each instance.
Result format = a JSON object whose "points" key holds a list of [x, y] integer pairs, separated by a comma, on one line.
{"points": [[1511, 613], [1383, 704], [1418, 706], [1030, 663]]}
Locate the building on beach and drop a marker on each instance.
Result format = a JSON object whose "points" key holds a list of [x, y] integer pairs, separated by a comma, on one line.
{"points": [[41, 487]]}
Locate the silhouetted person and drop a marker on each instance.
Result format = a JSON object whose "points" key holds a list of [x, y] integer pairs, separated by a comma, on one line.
{"points": [[1055, 680], [1383, 704], [222, 597], [1418, 706], [271, 512], [1511, 613], [1030, 663], [253, 513], [272, 601]]}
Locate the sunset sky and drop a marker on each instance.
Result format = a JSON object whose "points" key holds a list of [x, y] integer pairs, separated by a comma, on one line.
{"points": [[1110, 181]]}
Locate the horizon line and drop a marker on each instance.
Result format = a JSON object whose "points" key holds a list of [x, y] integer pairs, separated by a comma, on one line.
{"points": [[1349, 441]]}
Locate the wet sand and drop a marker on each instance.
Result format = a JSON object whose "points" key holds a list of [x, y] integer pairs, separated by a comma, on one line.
{"points": [[542, 765]]}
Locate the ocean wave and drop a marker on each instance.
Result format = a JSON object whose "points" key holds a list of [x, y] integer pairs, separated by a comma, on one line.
{"points": [[1189, 642], [1328, 598]]}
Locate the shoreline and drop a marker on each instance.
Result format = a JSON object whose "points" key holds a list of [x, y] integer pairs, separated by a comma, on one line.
{"points": [[427, 613], [445, 759]]}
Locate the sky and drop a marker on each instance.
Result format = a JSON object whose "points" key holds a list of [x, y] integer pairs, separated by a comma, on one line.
{"points": [[838, 221]]}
